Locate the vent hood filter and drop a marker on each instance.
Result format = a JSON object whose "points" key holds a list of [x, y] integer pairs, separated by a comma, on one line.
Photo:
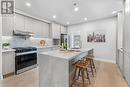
{"points": [[22, 33]]}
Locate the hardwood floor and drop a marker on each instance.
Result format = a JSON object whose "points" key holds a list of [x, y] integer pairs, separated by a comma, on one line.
{"points": [[108, 75]]}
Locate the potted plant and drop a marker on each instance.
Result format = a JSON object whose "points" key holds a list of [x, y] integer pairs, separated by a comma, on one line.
{"points": [[65, 46], [6, 45]]}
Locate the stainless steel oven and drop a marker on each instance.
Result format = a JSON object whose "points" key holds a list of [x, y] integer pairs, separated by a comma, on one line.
{"points": [[25, 59]]}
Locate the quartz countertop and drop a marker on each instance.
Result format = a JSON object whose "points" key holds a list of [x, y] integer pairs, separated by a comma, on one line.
{"points": [[8, 50], [65, 54], [42, 47]]}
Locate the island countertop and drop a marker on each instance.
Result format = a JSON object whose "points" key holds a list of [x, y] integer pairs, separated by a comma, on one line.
{"points": [[65, 54]]}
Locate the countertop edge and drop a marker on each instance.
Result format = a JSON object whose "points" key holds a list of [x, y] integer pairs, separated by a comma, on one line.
{"points": [[8, 50]]}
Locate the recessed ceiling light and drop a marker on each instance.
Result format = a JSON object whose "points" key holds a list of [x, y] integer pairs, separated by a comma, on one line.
{"points": [[85, 19], [28, 4], [76, 9], [68, 23], [54, 16], [114, 12]]}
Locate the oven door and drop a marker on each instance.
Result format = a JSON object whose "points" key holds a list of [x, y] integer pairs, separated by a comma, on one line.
{"points": [[24, 61]]}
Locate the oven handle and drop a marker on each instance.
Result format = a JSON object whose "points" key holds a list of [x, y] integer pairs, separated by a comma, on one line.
{"points": [[24, 53]]}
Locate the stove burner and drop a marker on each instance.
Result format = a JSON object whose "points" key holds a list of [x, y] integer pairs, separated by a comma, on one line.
{"points": [[24, 49]]}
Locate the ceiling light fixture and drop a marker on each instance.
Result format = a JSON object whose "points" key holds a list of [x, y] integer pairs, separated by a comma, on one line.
{"points": [[28, 4], [85, 19], [76, 8], [127, 7], [114, 12], [54, 16]]}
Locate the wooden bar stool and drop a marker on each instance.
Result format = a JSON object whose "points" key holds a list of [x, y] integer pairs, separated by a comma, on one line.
{"points": [[81, 69], [90, 58]]}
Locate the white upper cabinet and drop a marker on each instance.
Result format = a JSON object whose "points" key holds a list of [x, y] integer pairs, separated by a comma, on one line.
{"points": [[19, 22], [55, 31], [45, 29], [40, 29], [7, 25], [23, 23], [63, 30], [28, 24]]}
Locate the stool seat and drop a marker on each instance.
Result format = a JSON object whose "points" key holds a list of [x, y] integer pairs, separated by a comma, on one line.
{"points": [[82, 65]]}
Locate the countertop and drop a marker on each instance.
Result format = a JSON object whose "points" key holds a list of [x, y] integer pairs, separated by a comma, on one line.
{"points": [[8, 50], [68, 54], [42, 47]]}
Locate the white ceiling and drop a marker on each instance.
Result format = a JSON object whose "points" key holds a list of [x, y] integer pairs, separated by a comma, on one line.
{"points": [[64, 9]]}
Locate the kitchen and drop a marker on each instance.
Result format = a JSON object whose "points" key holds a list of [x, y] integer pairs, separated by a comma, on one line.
{"points": [[41, 39]]}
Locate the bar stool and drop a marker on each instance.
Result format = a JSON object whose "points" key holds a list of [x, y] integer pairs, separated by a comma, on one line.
{"points": [[81, 67], [90, 58]]}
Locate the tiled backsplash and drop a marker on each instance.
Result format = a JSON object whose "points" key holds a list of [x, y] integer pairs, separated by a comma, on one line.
{"points": [[21, 42]]}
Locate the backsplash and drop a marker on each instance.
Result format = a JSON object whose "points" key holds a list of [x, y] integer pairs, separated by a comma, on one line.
{"points": [[20, 42]]}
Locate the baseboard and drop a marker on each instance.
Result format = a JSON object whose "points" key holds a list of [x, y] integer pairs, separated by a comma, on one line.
{"points": [[105, 60]]}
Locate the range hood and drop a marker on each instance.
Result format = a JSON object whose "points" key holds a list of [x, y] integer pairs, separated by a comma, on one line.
{"points": [[22, 33]]}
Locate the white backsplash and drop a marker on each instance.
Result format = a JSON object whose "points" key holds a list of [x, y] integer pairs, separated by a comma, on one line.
{"points": [[21, 42]]}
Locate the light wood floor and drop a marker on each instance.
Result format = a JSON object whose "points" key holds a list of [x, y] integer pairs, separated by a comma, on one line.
{"points": [[108, 75]]}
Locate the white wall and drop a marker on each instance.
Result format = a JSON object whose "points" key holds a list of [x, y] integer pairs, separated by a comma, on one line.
{"points": [[103, 51]]}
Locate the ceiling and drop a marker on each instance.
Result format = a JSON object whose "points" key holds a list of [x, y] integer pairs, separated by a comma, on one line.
{"points": [[64, 9]]}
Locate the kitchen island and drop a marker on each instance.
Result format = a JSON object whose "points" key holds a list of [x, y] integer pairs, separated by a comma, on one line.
{"points": [[55, 67]]}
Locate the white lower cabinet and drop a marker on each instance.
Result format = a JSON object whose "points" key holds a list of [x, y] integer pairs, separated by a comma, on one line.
{"points": [[8, 62]]}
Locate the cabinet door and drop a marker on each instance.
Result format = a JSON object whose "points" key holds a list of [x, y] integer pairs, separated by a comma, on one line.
{"points": [[63, 30], [7, 25], [19, 22], [37, 29], [40, 29], [45, 30], [28, 24], [8, 62], [55, 31]]}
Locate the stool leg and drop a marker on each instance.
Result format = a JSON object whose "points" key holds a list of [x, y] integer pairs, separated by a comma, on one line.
{"points": [[82, 71], [74, 77], [94, 65], [79, 73], [91, 66], [88, 76]]}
